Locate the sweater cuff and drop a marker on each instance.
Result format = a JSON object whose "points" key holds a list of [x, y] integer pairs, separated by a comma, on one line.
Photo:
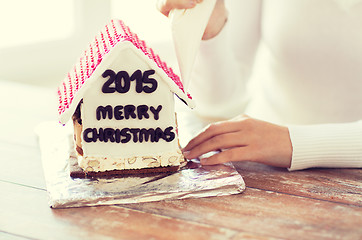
{"points": [[326, 145]]}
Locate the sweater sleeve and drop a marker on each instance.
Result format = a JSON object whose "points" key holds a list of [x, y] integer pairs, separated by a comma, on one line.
{"points": [[326, 145]]}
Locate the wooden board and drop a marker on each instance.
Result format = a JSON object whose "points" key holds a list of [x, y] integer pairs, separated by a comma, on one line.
{"points": [[277, 204], [24, 211], [267, 213], [336, 185]]}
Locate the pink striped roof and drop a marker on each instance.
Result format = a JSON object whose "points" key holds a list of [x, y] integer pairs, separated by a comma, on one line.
{"points": [[116, 31]]}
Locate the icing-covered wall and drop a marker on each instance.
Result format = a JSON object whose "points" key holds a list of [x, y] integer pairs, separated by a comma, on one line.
{"points": [[129, 110]]}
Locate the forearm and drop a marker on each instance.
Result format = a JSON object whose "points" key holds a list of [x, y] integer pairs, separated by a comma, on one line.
{"points": [[326, 145]]}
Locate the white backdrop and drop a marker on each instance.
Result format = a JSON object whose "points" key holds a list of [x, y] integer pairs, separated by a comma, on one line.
{"points": [[41, 39]]}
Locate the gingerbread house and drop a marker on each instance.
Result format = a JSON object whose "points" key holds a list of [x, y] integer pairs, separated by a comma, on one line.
{"points": [[120, 95]]}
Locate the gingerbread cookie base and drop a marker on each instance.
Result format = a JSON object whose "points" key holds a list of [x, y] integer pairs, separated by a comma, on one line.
{"points": [[78, 172]]}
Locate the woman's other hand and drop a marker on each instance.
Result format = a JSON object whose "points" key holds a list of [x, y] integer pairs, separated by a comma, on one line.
{"points": [[165, 6], [217, 20], [242, 139]]}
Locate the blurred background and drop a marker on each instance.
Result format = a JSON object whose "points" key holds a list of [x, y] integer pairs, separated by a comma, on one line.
{"points": [[42, 39]]}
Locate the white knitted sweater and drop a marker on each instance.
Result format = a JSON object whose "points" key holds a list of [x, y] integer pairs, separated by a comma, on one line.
{"points": [[291, 62]]}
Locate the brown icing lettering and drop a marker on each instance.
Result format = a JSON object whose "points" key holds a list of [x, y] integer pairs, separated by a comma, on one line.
{"points": [[121, 112], [121, 81], [156, 111], [103, 112], [127, 134]]}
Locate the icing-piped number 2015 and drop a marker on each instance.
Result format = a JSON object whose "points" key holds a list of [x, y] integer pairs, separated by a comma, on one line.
{"points": [[121, 81]]}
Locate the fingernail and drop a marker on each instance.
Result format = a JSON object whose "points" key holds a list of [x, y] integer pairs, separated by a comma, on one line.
{"points": [[203, 161], [186, 154]]}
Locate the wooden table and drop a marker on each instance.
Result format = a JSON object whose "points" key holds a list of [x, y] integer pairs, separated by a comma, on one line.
{"points": [[277, 204]]}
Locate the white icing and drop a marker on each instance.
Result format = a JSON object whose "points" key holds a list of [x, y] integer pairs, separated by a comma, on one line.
{"points": [[347, 4], [101, 156], [111, 57]]}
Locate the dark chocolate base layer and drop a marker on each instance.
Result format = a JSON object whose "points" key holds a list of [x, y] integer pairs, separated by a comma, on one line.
{"points": [[77, 172]]}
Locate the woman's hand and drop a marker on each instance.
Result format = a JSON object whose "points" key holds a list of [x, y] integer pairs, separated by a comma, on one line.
{"points": [[242, 139], [165, 6], [217, 20]]}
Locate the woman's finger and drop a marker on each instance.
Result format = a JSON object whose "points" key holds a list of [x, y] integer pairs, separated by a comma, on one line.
{"points": [[212, 131], [229, 155], [165, 6], [222, 141]]}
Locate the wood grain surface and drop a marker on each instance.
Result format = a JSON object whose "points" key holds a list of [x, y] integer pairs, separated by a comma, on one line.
{"points": [[277, 204]]}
